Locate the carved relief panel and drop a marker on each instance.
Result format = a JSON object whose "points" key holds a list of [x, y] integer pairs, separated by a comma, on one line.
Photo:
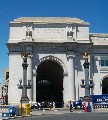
{"points": [[49, 32]]}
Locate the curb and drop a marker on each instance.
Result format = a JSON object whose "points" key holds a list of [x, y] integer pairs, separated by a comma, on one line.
{"points": [[14, 117]]}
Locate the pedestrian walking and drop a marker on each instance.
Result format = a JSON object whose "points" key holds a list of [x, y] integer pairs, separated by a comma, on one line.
{"points": [[71, 106]]}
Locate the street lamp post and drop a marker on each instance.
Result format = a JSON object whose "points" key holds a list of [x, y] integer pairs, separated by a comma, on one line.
{"points": [[86, 67], [87, 84], [24, 86]]}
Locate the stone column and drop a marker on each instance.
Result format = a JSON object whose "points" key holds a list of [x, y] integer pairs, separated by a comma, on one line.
{"points": [[97, 75], [91, 72], [65, 87], [34, 86], [71, 79], [76, 84], [29, 75]]}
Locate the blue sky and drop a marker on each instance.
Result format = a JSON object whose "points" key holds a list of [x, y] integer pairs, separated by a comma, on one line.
{"points": [[93, 11]]}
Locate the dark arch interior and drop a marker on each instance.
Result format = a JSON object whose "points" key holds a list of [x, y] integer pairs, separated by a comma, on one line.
{"points": [[49, 86], [105, 86]]}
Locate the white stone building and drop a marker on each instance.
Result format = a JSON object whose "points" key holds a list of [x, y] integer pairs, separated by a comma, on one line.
{"points": [[55, 63], [5, 81]]}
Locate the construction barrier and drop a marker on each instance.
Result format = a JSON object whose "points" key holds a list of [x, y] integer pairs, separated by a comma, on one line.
{"points": [[98, 106], [4, 107], [27, 106], [11, 112], [12, 109], [18, 111], [85, 107], [7, 115], [89, 107], [25, 109]]}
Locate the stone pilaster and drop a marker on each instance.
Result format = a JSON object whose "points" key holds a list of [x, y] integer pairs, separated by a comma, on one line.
{"points": [[76, 84], [97, 74], [97, 59], [29, 75], [65, 87], [34, 86], [71, 78]]}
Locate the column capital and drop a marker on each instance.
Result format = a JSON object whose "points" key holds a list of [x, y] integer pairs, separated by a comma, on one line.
{"points": [[34, 72], [70, 56], [30, 56], [97, 58]]}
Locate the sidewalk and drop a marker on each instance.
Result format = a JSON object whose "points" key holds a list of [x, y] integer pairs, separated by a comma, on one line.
{"points": [[101, 110], [63, 111], [47, 112], [57, 111]]}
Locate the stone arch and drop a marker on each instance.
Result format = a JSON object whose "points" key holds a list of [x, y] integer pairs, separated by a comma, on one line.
{"points": [[53, 58], [50, 69], [104, 84]]}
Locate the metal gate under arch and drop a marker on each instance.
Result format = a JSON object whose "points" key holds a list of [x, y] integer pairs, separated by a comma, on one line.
{"points": [[49, 82]]}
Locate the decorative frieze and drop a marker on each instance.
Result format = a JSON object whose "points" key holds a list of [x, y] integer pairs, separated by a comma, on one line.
{"points": [[49, 33]]}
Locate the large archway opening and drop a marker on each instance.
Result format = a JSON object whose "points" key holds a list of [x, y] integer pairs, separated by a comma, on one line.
{"points": [[105, 85], [49, 82]]}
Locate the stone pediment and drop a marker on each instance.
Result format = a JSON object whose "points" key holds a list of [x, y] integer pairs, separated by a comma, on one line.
{"points": [[49, 20]]}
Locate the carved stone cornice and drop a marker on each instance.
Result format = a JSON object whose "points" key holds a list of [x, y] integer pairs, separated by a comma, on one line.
{"points": [[85, 47], [20, 47], [70, 45], [100, 46]]}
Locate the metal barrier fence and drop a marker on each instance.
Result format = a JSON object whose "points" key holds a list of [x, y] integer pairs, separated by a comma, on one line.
{"points": [[98, 106]]}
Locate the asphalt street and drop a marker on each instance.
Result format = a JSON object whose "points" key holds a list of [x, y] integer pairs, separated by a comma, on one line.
{"points": [[69, 116]]}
